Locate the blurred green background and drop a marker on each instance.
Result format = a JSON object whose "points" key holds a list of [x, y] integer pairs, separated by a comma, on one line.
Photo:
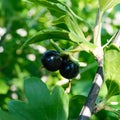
{"points": [[21, 19]]}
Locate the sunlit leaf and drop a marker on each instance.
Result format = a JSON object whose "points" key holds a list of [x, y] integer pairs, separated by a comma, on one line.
{"points": [[107, 4], [114, 102], [3, 87], [103, 91], [76, 33], [112, 70]]}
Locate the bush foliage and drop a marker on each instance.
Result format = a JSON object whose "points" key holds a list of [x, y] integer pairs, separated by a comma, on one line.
{"points": [[30, 27]]}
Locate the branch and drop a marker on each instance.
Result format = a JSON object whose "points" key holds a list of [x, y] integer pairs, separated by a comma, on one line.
{"points": [[87, 109]]}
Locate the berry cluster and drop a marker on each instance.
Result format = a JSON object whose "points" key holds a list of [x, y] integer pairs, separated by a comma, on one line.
{"points": [[52, 61]]}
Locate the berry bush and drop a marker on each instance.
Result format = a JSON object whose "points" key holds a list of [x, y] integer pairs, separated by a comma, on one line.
{"points": [[59, 60]]}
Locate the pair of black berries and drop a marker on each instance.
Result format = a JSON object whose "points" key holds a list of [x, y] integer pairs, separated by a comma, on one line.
{"points": [[53, 61]]}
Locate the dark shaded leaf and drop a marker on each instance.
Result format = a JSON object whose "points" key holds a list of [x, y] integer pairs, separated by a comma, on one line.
{"points": [[40, 105], [113, 88], [9, 116], [76, 104]]}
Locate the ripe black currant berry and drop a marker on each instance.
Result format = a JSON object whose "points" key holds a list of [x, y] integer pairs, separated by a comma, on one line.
{"points": [[51, 60], [69, 69]]}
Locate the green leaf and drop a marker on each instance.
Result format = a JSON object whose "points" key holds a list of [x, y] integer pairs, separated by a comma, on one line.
{"points": [[66, 16], [58, 8], [3, 87], [84, 89], [9, 116], [114, 102], [55, 7], [76, 104], [112, 70], [47, 34], [103, 91], [113, 88], [107, 4], [75, 34], [41, 104], [59, 20], [65, 10]]}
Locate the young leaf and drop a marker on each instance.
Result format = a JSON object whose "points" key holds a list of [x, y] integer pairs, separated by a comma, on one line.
{"points": [[112, 70], [114, 102], [40, 105], [107, 4], [113, 88], [74, 27], [76, 33]]}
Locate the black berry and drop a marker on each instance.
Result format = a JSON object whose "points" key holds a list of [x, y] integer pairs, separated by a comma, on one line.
{"points": [[69, 69], [51, 60]]}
